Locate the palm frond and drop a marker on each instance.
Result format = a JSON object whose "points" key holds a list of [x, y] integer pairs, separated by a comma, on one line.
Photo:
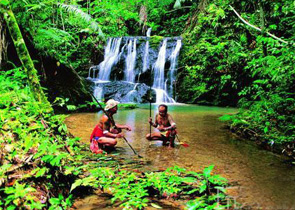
{"points": [[84, 16]]}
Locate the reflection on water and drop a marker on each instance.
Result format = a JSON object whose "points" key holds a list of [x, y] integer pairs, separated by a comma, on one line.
{"points": [[258, 178]]}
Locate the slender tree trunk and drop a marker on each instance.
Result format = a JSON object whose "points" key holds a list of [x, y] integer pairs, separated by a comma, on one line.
{"points": [[192, 21], [24, 55], [262, 25]]}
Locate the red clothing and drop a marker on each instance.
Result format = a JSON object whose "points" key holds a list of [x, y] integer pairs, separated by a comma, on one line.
{"points": [[97, 132], [170, 133]]}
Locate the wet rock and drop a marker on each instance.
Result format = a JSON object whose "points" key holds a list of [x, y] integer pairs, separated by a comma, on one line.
{"points": [[124, 91]]}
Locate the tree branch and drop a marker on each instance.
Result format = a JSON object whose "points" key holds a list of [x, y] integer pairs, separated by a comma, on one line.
{"points": [[258, 29], [185, 7]]}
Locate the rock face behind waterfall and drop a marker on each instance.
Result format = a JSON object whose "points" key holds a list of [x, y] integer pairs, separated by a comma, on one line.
{"points": [[124, 91]]}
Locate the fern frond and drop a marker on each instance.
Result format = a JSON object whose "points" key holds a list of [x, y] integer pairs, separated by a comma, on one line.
{"points": [[84, 16]]}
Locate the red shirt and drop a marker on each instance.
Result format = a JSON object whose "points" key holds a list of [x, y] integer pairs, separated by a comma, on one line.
{"points": [[97, 132]]}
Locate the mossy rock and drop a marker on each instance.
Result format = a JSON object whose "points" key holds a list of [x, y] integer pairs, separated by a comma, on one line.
{"points": [[155, 41]]}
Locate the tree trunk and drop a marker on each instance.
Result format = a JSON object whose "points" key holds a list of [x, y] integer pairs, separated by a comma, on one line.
{"points": [[192, 21], [262, 25], [3, 43], [24, 55]]}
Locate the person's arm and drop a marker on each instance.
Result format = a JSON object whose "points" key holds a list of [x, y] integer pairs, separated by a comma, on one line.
{"points": [[153, 124], [126, 127], [171, 122], [106, 124]]}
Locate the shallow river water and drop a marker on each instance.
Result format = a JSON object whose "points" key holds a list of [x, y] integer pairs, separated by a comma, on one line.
{"points": [[259, 179]]}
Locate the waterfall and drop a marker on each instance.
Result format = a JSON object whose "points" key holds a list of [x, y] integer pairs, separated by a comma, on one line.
{"points": [[130, 61], [98, 93], [159, 76], [159, 67], [110, 58], [148, 33], [131, 96], [146, 57], [136, 57], [98, 90], [173, 61], [162, 96], [146, 52]]}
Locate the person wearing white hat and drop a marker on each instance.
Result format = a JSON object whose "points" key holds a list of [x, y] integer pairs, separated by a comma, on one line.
{"points": [[104, 133]]}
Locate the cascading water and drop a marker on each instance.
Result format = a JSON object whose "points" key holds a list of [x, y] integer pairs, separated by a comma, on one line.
{"points": [[130, 61], [146, 57], [127, 58], [131, 96], [110, 58], [148, 33], [159, 67], [159, 76], [98, 93], [173, 61], [146, 54]]}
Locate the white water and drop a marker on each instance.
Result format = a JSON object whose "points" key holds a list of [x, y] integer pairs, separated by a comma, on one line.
{"points": [[173, 61], [130, 97], [111, 57], [93, 70], [148, 33], [162, 96], [116, 51], [130, 61], [98, 93], [146, 52], [159, 67], [159, 77], [146, 57]]}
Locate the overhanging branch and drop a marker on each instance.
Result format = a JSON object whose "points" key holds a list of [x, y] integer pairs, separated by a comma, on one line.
{"points": [[258, 29]]}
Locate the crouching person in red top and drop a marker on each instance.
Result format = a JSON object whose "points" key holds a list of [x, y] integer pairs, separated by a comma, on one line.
{"points": [[105, 133]]}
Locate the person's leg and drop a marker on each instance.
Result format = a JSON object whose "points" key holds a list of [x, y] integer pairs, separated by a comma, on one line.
{"points": [[109, 142], [171, 137], [95, 147], [154, 136], [157, 136]]}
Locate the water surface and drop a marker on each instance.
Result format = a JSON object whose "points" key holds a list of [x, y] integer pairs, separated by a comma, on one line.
{"points": [[259, 179]]}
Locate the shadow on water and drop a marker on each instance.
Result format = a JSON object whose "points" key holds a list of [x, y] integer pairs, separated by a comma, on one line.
{"points": [[258, 178]]}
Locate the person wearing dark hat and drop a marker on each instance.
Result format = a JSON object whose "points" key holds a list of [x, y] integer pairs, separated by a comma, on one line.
{"points": [[166, 126], [104, 133]]}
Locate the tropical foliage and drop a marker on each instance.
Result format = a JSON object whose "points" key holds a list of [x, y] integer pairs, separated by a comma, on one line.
{"points": [[228, 62]]}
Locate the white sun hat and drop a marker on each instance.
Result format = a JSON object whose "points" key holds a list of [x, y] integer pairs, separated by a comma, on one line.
{"points": [[111, 104]]}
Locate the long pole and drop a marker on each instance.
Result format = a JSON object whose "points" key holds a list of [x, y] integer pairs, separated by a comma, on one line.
{"points": [[151, 104], [150, 112], [113, 122]]}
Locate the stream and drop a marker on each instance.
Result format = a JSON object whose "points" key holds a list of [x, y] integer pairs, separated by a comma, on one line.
{"points": [[258, 179]]}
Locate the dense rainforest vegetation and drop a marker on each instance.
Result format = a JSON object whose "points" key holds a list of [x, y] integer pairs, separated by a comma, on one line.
{"points": [[235, 53]]}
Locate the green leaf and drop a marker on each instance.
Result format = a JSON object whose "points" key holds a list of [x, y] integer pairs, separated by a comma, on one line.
{"points": [[156, 206], [207, 171], [76, 184], [4, 2], [265, 130], [222, 189], [226, 117], [203, 186], [41, 172]]}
